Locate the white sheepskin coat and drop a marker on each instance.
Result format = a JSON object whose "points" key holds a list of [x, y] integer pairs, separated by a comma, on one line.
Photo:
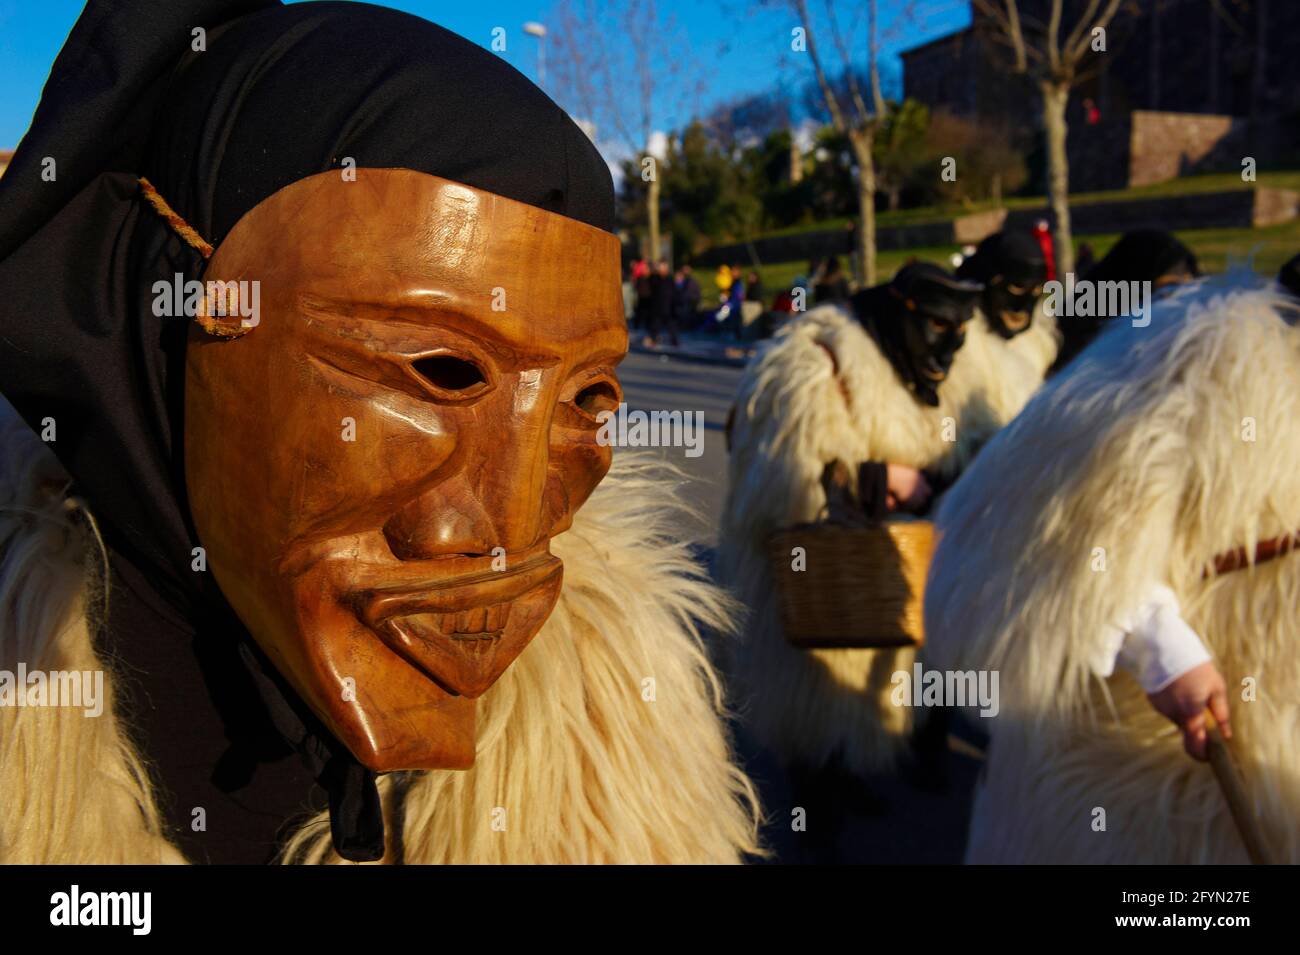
{"points": [[993, 378], [1160, 448], [604, 742], [791, 419]]}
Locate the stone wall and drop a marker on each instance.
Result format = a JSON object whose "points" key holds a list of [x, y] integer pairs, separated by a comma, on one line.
{"points": [[1147, 146], [1164, 146]]}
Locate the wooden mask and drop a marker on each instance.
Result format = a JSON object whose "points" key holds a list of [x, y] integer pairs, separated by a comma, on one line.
{"points": [[376, 467]]}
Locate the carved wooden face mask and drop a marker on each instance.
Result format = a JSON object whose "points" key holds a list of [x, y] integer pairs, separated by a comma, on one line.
{"points": [[376, 467]]}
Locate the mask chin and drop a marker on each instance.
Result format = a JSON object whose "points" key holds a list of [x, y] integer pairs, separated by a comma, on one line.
{"points": [[1008, 315], [1011, 324], [928, 373]]}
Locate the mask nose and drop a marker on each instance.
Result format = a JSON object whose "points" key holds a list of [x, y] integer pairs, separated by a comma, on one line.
{"points": [[496, 498]]}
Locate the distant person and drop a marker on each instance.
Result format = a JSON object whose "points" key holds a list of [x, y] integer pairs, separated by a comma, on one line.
{"points": [[754, 288], [861, 382], [722, 278], [661, 305], [641, 283], [735, 302], [629, 297], [1013, 340], [686, 298], [833, 286]]}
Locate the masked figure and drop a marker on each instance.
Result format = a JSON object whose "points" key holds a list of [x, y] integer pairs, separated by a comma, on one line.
{"points": [[1132, 529], [865, 384], [319, 320], [1013, 340], [1147, 255]]}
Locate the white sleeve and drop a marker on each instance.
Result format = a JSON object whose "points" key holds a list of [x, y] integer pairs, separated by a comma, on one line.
{"points": [[1153, 643]]}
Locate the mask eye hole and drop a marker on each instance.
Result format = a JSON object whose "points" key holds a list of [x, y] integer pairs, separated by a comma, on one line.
{"points": [[597, 397], [451, 375]]}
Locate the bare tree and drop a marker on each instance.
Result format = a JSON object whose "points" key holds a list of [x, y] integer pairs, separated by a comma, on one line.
{"points": [[852, 115], [621, 67], [1056, 59]]}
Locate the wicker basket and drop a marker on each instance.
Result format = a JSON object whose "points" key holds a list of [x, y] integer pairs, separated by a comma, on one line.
{"points": [[861, 587]]}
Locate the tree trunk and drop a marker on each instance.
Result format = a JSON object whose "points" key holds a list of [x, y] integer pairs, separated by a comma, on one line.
{"points": [[1055, 97], [652, 214], [861, 141]]}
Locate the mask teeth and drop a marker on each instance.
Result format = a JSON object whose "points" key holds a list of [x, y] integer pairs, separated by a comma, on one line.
{"points": [[498, 616], [479, 620]]}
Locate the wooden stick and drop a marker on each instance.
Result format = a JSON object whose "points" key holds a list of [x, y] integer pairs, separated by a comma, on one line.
{"points": [[1227, 772]]}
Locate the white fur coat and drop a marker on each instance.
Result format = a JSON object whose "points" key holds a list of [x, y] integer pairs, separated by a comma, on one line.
{"points": [[793, 416], [993, 378], [1160, 448]]}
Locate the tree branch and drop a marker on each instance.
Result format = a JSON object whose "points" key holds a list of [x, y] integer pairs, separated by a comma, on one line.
{"points": [[1007, 18], [1080, 49], [1052, 43], [846, 58], [832, 101]]}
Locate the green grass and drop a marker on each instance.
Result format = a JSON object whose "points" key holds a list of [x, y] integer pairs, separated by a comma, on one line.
{"points": [[1185, 186], [1266, 249]]}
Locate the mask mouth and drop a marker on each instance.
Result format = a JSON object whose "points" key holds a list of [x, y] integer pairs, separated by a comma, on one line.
{"points": [[474, 633], [933, 371], [463, 633], [479, 589], [1015, 321], [481, 623]]}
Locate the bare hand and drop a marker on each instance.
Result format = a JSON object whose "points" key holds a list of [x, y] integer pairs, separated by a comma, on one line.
{"points": [[906, 488], [1185, 700]]}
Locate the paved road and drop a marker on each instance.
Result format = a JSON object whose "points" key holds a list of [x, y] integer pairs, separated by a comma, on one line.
{"points": [[660, 383], [917, 818]]}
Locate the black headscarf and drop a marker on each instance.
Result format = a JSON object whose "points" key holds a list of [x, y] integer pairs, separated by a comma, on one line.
{"points": [[1004, 259], [278, 93], [1289, 276], [1012, 254], [1143, 255]]}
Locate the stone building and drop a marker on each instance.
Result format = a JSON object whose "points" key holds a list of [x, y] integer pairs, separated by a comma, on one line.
{"points": [[1184, 86]]}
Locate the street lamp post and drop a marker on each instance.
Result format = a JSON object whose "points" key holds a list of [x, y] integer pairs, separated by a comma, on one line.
{"points": [[532, 28]]}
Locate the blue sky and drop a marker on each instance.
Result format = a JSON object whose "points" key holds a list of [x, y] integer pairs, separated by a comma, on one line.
{"points": [[742, 45]]}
